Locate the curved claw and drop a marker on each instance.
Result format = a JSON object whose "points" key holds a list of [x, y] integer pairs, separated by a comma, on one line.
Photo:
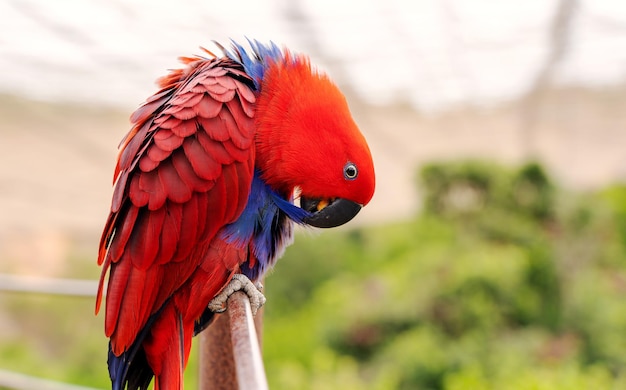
{"points": [[239, 282]]}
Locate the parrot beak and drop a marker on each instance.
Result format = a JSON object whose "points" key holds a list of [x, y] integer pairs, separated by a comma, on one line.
{"points": [[327, 213]]}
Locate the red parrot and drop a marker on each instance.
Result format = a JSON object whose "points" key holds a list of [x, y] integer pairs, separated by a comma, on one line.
{"points": [[206, 187]]}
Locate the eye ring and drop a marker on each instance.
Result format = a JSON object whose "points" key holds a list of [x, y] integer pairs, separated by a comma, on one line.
{"points": [[350, 171]]}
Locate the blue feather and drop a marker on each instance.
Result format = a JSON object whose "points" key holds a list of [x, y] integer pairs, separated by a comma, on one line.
{"points": [[266, 223], [256, 62]]}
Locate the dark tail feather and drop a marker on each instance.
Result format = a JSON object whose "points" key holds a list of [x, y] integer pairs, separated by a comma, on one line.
{"points": [[131, 370]]}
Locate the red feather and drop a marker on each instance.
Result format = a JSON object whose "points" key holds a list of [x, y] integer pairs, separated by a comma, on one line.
{"points": [[217, 129], [202, 163], [215, 148], [183, 113], [130, 147], [185, 128], [157, 154], [245, 94], [117, 285], [144, 243], [150, 184], [207, 107], [241, 132], [147, 164], [186, 173], [167, 122], [177, 190], [123, 230], [187, 99], [137, 196], [168, 239], [119, 193], [234, 151], [166, 140]]}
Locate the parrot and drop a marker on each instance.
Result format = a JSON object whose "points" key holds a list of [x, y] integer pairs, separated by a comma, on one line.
{"points": [[232, 152]]}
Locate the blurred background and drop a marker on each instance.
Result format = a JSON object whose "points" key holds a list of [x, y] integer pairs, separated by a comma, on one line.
{"points": [[492, 256]]}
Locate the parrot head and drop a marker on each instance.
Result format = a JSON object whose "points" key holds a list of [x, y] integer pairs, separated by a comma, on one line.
{"points": [[308, 146]]}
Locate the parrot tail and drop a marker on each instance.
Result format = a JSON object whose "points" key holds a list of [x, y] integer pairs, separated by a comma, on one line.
{"points": [[167, 349], [126, 372], [160, 350], [131, 370]]}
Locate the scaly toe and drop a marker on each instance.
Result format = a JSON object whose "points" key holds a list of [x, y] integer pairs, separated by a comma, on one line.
{"points": [[239, 282]]}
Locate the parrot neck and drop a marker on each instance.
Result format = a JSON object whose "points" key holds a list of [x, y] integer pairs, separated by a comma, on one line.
{"points": [[265, 226]]}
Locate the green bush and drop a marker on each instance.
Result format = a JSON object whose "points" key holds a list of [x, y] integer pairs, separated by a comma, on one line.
{"points": [[504, 282]]}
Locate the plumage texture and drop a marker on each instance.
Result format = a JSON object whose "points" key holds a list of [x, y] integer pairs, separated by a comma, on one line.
{"points": [[203, 189]]}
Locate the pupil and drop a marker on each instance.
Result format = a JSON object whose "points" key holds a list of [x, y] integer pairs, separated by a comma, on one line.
{"points": [[350, 171]]}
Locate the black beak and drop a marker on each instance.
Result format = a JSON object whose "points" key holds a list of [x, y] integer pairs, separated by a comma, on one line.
{"points": [[329, 213]]}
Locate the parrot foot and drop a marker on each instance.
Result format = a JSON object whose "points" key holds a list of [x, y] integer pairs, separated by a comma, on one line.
{"points": [[239, 282]]}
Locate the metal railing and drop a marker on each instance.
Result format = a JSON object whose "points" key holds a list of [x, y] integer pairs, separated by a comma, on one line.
{"points": [[230, 355], [39, 285]]}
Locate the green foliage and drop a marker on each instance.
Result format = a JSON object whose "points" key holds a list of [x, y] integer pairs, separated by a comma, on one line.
{"points": [[500, 203], [53, 337], [504, 282]]}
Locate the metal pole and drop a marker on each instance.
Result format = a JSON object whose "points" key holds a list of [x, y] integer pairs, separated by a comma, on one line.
{"points": [[217, 369], [230, 355], [39, 285], [247, 354]]}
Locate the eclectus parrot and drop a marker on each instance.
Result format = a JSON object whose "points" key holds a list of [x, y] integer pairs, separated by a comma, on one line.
{"points": [[207, 186]]}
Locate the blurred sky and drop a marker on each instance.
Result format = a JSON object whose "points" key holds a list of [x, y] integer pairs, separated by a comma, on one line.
{"points": [[428, 52]]}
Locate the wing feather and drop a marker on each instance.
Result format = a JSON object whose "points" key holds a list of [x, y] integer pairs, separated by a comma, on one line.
{"points": [[202, 212], [167, 122], [202, 163], [234, 151], [170, 233], [124, 228], [242, 130], [186, 173], [218, 130], [186, 127], [130, 147], [119, 193], [138, 197], [150, 184], [188, 231], [157, 154], [207, 107], [246, 94], [115, 293], [144, 243], [215, 148], [184, 113], [247, 105], [176, 189], [167, 140], [187, 99], [183, 172], [228, 83]]}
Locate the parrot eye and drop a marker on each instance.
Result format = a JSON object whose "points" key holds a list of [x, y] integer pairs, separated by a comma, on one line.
{"points": [[349, 171]]}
